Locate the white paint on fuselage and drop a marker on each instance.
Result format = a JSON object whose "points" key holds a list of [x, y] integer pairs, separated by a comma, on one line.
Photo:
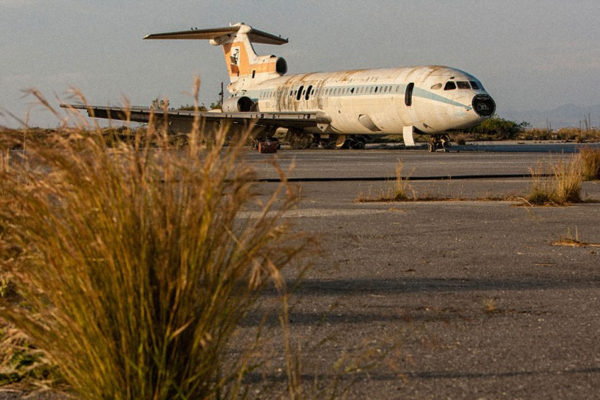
{"points": [[379, 94]]}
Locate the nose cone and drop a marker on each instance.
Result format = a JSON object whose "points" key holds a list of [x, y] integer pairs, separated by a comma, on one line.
{"points": [[484, 105]]}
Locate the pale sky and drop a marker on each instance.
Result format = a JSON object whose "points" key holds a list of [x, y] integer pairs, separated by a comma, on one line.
{"points": [[529, 54]]}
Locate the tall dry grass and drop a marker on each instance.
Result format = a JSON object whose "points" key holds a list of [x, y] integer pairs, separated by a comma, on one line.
{"points": [[134, 264], [397, 190], [590, 163], [562, 185]]}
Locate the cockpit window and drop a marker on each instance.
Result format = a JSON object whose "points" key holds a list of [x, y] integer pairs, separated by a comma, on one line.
{"points": [[437, 86], [475, 86], [463, 85], [450, 86]]}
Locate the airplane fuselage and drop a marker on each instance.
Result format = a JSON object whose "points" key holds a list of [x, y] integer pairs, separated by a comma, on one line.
{"points": [[377, 101]]}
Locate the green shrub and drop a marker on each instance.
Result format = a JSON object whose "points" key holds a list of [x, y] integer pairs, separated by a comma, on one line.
{"points": [[499, 128]]}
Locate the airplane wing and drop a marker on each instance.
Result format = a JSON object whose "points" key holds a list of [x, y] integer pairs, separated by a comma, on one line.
{"points": [[261, 119]]}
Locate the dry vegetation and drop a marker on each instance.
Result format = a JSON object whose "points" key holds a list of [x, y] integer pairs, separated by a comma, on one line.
{"points": [[396, 190], [563, 186], [590, 163], [128, 267], [573, 240], [579, 135], [553, 183]]}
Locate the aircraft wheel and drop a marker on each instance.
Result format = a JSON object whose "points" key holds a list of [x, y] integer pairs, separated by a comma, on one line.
{"points": [[300, 141], [357, 143], [335, 141], [328, 144]]}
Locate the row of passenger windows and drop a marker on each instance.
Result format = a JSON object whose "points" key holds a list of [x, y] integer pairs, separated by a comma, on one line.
{"points": [[301, 92], [451, 85], [307, 93]]}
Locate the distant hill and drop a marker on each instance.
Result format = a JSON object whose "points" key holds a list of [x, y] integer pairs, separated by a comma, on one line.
{"points": [[568, 115]]}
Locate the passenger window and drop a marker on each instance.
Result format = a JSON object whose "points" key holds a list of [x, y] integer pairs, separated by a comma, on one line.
{"points": [[463, 85], [375, 89], [450, 86], [437, 86], [299, 93], [308, 92], [474, 85]]}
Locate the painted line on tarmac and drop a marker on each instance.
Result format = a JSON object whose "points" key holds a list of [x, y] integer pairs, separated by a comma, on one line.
{"points": [[319, 212]]}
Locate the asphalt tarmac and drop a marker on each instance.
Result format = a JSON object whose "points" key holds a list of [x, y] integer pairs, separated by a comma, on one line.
{"points": [[466, 298], [463, 296]]}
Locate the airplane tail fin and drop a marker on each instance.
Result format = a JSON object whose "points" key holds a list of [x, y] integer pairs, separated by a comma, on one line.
{"points": [[242, 62]]}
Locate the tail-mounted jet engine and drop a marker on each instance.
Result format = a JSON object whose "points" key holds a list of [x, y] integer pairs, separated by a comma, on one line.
{"points": [[239, 104]]}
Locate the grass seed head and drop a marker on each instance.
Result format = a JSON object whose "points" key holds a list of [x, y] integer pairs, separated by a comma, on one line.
{"points": [[136, 264]]}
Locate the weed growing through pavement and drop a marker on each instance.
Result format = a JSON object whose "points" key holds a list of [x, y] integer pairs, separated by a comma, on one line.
{"points": [[489, 306], [590, 163], [397, 190], [572, 240], [562, 187]]}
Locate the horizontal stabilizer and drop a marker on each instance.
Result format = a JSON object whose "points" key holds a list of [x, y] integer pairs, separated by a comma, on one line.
{"points": [[254, 35]]}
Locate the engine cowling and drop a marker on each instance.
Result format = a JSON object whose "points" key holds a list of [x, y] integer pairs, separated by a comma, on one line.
{"points": [[239, 104], [281, 66]]}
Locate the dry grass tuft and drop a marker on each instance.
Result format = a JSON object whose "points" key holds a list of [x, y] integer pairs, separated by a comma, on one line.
{"points": [[590, 163], [397, 190], [572, 240], [19, 360], [489, 306], [561, 188], [134, 265]]}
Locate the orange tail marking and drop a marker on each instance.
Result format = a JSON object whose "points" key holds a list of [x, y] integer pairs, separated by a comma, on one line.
{"points": [[236, 58]]}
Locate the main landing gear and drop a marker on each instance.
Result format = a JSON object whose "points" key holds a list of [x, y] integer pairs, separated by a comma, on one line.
{"points": [[302, 140], [438, 142], [334, 141]]}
